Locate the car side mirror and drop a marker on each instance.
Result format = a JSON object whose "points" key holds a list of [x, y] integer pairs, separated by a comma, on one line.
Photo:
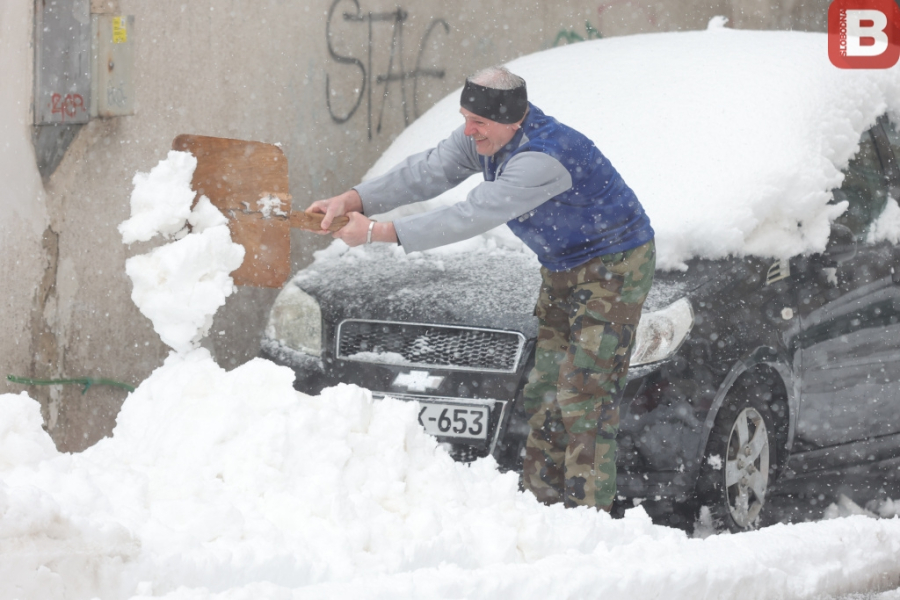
{"points": [[841, 244]]}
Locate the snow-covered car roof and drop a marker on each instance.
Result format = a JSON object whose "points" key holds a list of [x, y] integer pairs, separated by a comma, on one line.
{"points": [[732, 140]]}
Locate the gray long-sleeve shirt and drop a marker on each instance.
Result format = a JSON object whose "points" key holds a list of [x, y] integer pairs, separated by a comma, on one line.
{"points": [[527, 180]]}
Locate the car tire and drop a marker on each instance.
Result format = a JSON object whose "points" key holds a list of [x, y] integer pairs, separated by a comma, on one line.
{"points": [[740, 461]]}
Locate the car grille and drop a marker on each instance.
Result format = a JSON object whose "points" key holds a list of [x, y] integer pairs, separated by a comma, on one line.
{"points": [[431, 345]]}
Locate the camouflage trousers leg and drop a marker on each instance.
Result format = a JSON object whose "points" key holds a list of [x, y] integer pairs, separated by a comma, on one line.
{"points": [[588, 317]]}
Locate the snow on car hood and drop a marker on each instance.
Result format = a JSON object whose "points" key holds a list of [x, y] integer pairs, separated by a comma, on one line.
{"points": [[731, 139], [488, 286]]}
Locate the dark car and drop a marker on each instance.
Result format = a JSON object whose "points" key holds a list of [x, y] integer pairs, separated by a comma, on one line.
{"points": [[746, 369]]}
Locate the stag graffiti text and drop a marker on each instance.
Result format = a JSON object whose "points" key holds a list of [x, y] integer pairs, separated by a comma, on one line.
{"points": [[395, 71]]}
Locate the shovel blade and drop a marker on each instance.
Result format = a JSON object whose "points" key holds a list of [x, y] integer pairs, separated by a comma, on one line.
{"points": [[235, 175]]}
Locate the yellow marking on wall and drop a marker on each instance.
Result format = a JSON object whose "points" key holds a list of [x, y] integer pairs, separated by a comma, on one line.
{"points": [[119, 30]]}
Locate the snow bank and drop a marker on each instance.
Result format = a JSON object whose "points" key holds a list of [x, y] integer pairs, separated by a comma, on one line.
{"points": [[732, 140], [18, 446], [223, 484]]}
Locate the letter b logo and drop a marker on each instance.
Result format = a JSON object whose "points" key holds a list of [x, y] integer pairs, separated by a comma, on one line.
{"points": [[864, 34]]}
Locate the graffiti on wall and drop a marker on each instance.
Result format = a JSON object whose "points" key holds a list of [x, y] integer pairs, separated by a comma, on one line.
{"points": [[67, 106], [570, 36], [395, 74]]}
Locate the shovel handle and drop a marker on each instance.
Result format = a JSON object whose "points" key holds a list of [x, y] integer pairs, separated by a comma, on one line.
{"points": [[313, 221]]}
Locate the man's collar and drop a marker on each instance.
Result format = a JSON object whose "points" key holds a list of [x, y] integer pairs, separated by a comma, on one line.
{"points": [[510, 146]]}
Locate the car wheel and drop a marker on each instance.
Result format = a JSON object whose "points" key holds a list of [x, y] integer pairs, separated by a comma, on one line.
{"points": [[739, 463]]}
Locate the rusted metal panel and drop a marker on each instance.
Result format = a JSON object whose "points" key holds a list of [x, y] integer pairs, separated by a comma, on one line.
{"points": [[239, 177], [235, 175]]}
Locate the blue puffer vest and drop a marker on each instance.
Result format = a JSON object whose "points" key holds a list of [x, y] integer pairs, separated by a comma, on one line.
{"points": [[598, 215]]}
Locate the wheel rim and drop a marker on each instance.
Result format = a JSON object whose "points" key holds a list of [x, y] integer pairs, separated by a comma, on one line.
{"points": [[747, 467]]}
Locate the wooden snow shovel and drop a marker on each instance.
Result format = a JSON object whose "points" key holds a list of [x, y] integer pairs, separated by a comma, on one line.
{"points": [[246, 181]]}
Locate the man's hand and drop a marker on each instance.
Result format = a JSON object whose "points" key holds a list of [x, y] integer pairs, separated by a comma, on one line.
{"points": [[346, 204], [356, 231]]}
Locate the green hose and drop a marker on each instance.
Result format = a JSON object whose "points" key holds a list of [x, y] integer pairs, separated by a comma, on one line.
{"points": [[87, 382]]}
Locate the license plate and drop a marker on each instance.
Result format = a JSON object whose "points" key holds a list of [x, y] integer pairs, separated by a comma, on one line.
{"points": [[455, 420]]}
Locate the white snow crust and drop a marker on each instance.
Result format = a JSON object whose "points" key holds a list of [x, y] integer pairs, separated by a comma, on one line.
{"points": [[232, 485], [179, 286], [161, 200]]}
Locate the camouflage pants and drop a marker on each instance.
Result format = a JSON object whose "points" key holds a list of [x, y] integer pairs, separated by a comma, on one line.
{"points": [[588, 316]]}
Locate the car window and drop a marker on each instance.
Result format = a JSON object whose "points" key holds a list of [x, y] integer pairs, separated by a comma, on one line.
{"points": [[865, 188], [894, 137]]}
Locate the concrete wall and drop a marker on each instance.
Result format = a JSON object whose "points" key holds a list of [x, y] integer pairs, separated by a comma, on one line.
{"points": [[252, 70], [23, 207]]}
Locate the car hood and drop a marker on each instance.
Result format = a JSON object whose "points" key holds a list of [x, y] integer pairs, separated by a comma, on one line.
{"points": [[487, 287]]}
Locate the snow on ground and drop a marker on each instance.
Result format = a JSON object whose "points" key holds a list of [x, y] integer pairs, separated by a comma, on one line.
{"points": [[232, 485]]}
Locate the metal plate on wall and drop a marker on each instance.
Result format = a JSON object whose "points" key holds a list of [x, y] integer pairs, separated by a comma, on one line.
{"points": [[62, 62], [113, 91]]}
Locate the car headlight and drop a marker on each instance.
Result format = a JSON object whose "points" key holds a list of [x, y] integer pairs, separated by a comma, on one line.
{"points": [[661, 333], [296, 321]]}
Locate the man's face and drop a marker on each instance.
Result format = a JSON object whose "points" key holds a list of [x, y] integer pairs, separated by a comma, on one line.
{"points": [[489, 135]]}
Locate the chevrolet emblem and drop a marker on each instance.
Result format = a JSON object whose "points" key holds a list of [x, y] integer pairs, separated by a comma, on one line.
{"points": [[418, 381]]}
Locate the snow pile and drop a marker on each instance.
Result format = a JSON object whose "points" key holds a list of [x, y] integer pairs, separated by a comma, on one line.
{"points": [[732, 140], [232, 485], [18, 446], [180, 285], [887, 226]]}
